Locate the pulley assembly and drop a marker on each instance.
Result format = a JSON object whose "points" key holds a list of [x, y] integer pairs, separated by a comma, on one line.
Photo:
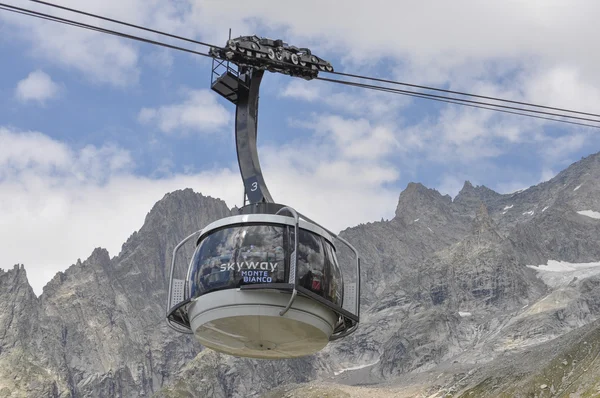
{"points": [[265, 283]]}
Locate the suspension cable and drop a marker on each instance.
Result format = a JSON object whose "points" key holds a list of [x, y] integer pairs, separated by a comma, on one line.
{"points": [[439, 98], [426, 96], [459, 93], [89, 14], [19, 10], [336, 73], [467, 101]]}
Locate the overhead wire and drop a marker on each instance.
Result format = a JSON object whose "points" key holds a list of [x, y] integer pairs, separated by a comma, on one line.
{"points": [[341, 73], [459, 101], [425, 95], [49, 17], [475, 102], [2, 7], [459, 93], [117, 21]]}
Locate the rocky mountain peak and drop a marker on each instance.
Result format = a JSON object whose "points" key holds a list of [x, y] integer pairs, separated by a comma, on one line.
{"points": [[175, 216], [468, 199], [17, 275], [17, 307], [182, 203], [420, 202], [479, 191], [99, 256], [585, 169]]}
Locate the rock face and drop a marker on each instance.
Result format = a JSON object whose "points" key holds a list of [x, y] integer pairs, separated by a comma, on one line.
{"points": [[479, 276], [457, 298], [98, 328], [20, 367], [425, 222]]}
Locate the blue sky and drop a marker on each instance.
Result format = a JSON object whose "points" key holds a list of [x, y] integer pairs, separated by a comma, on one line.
{"points": [[94, 130]]}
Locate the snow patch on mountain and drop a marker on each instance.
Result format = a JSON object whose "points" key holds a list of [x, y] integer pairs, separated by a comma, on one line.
{"points": [[561, 273], [590, 213], [339, 372]]}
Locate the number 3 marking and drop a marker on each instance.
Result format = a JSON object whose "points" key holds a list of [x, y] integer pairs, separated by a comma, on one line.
{"points": [[254, 186]]}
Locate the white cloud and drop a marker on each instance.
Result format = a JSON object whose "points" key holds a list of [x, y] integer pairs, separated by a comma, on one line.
{"points": [[37, 86], [334, 191], [355, 101], [51, 194], [161, 60], [340, 177], [558, 148], [458, 22], [299, 89], [64, 218], [19, 151], [27, 155], [563, 30], [64, 202], [566, 86], [357, 138], [199, 112], [99, 57]]}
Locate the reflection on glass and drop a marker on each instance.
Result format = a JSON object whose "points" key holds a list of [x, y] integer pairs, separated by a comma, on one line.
{"points": [[258, 254], [318, 270], [336, 283], [231, 257]]}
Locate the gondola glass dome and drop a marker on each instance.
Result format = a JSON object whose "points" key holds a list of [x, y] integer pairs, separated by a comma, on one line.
{"points": [[265, 283], [252, 289]]}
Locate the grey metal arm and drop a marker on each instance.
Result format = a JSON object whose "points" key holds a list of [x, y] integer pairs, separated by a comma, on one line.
{"points": [[293, 257], [246, 120], [169, 296]]}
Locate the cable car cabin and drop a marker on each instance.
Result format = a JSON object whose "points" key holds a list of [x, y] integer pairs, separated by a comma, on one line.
{"points": [[264, 286]]}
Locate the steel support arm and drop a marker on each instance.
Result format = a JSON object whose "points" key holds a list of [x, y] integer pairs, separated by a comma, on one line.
{"points": [[246, 120]]}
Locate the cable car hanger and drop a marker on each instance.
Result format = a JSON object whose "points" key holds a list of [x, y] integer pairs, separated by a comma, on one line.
{"points": [[265, 283]]}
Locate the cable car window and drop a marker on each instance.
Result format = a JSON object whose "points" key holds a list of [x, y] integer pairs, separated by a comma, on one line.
{"points": [[235, 256], [311, 260], [335, 286], [316, 272]]}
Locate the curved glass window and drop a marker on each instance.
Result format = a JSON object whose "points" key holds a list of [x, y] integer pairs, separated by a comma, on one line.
{"points": [[311, 262], [318, 270], [257, 254], [235, 256], [335, 288]]}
